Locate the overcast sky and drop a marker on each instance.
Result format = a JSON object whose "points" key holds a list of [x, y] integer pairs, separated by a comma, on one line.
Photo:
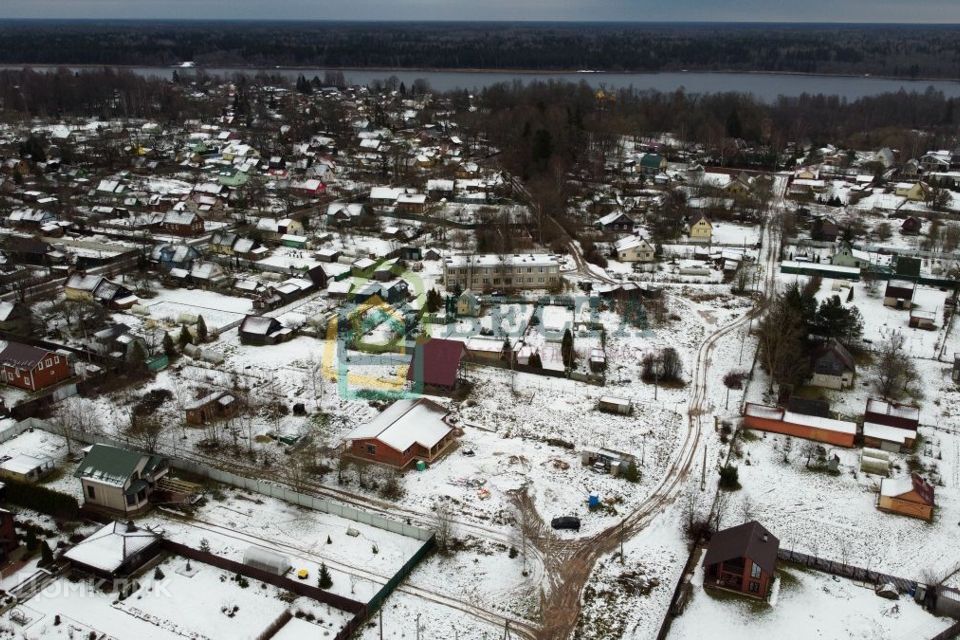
{"points": [[896, 11]]}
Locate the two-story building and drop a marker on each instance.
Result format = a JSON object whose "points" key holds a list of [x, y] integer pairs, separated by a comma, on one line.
{"points": [[508, 271], [32, 368], [118, 480]]}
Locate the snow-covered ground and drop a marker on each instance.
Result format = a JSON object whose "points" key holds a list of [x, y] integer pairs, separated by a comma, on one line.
{"points": [[809, 605]]}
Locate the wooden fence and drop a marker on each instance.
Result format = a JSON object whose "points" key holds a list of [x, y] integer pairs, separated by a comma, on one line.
{"points": [[904, 585], [950, 633]]}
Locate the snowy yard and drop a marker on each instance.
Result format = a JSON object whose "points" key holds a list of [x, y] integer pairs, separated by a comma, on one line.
{"points": [[809, 605], [174, 306]]}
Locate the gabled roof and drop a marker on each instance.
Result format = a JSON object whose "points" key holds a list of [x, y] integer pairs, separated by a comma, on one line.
{"points": [[112, 465], [833, 359], [16, 354], [748, 540], [436, 362], [405, 423]]}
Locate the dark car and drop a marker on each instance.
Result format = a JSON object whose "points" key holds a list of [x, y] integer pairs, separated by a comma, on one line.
{"points": [[566, 522]]}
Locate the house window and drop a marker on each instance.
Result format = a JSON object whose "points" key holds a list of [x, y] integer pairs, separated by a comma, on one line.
{"points": [[131, 500], [755, 571], [91, 493], [40, 366], [754, 586], [372, 449], [49, 363]]}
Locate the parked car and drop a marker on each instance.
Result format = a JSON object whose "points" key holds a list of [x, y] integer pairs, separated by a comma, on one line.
{"points": [[566, 522]]}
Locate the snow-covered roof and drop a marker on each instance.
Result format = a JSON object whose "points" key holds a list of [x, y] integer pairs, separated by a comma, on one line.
{"points": [[891, 487], [493, 259], [404, 423], [885, 432], [108, 548]]}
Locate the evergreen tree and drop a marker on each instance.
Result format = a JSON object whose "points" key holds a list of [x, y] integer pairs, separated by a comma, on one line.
{"points": [[137, 357], [566, 349], [31, 539], [631, 473], [185, 337], [324, 581], [201, 329], [168, 347], [46, 553]]}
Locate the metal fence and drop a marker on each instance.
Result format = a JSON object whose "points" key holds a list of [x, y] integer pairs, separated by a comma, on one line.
{"points": [[262, 487]]}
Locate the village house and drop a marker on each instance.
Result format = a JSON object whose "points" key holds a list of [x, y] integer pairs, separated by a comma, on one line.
{"points": [[15, 317], [742, 559], [777, 420], [91, 288], [616, 222], [913, 497], [484, 349], [180, 223], [406, 431], [32, 368], [118, 480], [913, 191], [890, 426], [468, 304], [700, 229], [899, 294], [219, 405], [116, 550], [832, 366], [509, 271], [920, 319], [26, 468], [847, 256], [436, 365], [262, 330], [634, 249]]}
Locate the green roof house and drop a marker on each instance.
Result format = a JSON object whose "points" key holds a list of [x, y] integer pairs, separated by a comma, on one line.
{"points": [[119, 481]]}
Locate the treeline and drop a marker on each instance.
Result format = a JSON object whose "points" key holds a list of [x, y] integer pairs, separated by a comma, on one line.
{"points": [[915, 51], [542, 124], [105, 93]]}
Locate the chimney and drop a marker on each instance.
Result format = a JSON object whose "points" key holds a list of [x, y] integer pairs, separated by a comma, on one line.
{"points": [[131, 527]]}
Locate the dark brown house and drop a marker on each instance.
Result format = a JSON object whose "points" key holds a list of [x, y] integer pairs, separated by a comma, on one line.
{"points": [[742, 559], [436, 364], [219, 405], [824, 229]]}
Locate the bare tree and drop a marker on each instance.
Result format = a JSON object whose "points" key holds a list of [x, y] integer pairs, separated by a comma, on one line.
{"points": [[442, 526], [895, 371]]}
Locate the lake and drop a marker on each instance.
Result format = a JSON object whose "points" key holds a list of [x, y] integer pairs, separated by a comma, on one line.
{"points": [[765, 86]]}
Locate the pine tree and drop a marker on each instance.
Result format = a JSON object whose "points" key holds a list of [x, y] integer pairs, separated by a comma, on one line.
{"points": [[324, 581], [46, 553], [168, 347], [185, 337], [566, 349], [31, 539], [137, 357], [631, 473], [201, 329]]}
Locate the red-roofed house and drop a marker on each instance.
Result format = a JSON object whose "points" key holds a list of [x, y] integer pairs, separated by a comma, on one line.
{"points": [[32, 368], [436, 364]]}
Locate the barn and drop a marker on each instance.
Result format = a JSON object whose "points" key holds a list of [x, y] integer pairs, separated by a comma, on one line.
{"points": [[836, 432]]}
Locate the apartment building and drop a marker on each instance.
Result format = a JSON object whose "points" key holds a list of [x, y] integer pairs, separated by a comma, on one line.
{"points": [[508, 271]]}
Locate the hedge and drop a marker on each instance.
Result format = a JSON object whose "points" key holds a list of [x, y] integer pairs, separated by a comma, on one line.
{"points": [[42, 499]]}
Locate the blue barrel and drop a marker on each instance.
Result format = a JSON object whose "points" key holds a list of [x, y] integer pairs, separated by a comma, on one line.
{"points": [[593, 501]]}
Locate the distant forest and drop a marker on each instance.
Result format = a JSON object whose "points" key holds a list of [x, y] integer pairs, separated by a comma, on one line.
{"points": [[901, 51]]}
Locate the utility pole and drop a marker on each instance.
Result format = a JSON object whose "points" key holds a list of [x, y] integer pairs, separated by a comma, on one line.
{"points": [[418, 626], [381, 623], [621, 540], [703, 473]]}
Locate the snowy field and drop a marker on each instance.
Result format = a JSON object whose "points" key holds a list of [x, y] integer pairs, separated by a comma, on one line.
{"points": [[809, 605], [219, 607]]}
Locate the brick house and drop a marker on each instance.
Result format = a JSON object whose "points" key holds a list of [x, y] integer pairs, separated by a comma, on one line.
{"points": [[408, 430], [742, 559], [32, 368]]}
